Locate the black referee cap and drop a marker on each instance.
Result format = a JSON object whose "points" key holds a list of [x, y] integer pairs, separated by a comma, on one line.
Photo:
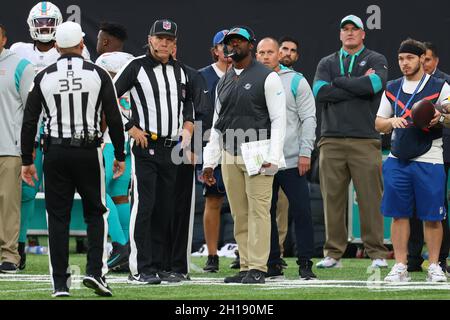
{"points": [[164, 27]]}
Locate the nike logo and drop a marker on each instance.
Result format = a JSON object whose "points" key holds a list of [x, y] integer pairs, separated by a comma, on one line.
{"points": [[205, 91], [113, 260], [257, 277], [278, 93]]}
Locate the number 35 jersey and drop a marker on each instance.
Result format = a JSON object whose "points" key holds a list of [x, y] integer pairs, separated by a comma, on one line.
{"points": [[73, 94]]}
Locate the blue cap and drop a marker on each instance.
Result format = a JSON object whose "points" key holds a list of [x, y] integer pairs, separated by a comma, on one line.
{"points": [[218, 38], [242, 32]]}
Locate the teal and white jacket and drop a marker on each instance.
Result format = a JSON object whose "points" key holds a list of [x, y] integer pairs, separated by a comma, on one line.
{"points": [[300, 117], [16, 77]]}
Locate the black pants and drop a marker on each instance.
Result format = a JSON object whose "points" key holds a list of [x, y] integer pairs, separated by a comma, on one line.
{"points": [[152, 201], [180, 236], [416, 241], [296, 189], [68, 169]]}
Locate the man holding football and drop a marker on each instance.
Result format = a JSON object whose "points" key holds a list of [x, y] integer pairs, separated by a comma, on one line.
{"points": [[413, 174]]}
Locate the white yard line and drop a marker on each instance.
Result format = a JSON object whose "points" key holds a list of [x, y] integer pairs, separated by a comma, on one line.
{"points": [[121, 282]]}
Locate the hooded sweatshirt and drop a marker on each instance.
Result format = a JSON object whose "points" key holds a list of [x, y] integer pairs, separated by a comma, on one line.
{"points": [[16, 77], [300, 117]]}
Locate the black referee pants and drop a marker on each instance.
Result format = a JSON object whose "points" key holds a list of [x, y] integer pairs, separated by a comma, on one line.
{"points": [[68, 169], [153, 202], [178, 244], [416, 240]]}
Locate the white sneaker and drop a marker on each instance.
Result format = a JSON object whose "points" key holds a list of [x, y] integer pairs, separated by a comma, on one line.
{"points": [[61, 293], [202, 252], [399, 273], [228, 250], [379, 263], [328, 262], [435, 273]]}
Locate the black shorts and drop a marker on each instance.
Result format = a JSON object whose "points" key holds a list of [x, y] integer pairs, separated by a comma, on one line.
{"points": [[217, 189]]}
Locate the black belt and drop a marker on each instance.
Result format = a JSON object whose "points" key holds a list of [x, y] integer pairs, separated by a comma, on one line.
{"points": [[77, 143], [166, 142]]}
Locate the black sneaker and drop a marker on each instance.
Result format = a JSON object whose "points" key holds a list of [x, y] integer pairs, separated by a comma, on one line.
{"points": [[444, 266], [283, 263], [414, 268], [124, 268], [181, 276], [143, 278], [305, 270], [236, 278], [119, 256], [275, 272], [212, 264], [8, 267], [62, 292], [236, 264], [23, 256], [254, 277], [168, 276], [98, 284]]}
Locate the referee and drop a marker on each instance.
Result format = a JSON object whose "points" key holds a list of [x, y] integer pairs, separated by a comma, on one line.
{"points": [[160, 106], [75, 95]]}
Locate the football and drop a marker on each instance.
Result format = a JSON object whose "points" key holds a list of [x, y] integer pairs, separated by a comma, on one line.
{"points": [[422, 113], [444, 106]]}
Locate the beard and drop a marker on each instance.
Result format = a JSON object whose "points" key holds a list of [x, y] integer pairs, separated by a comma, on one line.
{"points": [[286, 62], [414, 71], [239, 56]]}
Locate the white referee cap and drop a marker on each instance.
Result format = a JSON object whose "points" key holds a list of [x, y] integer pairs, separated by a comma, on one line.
{"points": [[113, 61], [68, 34]]}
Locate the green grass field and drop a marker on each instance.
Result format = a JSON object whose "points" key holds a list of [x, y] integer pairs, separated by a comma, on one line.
{"points": [[352, 282]]}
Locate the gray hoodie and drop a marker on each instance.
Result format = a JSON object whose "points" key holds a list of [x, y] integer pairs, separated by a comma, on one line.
{"points": [[16, 77], [300, 117]]}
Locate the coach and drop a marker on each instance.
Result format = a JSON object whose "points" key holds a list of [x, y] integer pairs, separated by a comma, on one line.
{"points": [[251, 100]]}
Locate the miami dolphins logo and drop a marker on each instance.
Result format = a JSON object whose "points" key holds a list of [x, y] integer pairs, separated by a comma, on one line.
{"points": [[124, 103]]}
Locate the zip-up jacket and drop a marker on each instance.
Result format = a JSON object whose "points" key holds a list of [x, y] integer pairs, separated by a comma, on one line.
{"points": [[16, 77], [300, 117], [350, 97]]}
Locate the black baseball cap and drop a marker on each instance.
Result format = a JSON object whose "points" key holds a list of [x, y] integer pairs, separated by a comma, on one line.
{"points": [[164, 27], [240, 32]]}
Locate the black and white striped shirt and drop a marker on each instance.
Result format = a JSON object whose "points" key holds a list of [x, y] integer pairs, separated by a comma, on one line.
{"points": [[160, 99], [73, 93]]}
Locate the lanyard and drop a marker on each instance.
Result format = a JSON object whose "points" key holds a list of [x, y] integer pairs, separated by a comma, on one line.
{"points": [[352, 62], [410, 99]]}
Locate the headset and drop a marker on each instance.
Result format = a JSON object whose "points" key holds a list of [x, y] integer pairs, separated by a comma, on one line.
{"points": [[226, 53], [151, 45]]}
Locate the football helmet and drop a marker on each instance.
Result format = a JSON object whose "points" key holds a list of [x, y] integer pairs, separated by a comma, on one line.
{"points": [[43, 20]]}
